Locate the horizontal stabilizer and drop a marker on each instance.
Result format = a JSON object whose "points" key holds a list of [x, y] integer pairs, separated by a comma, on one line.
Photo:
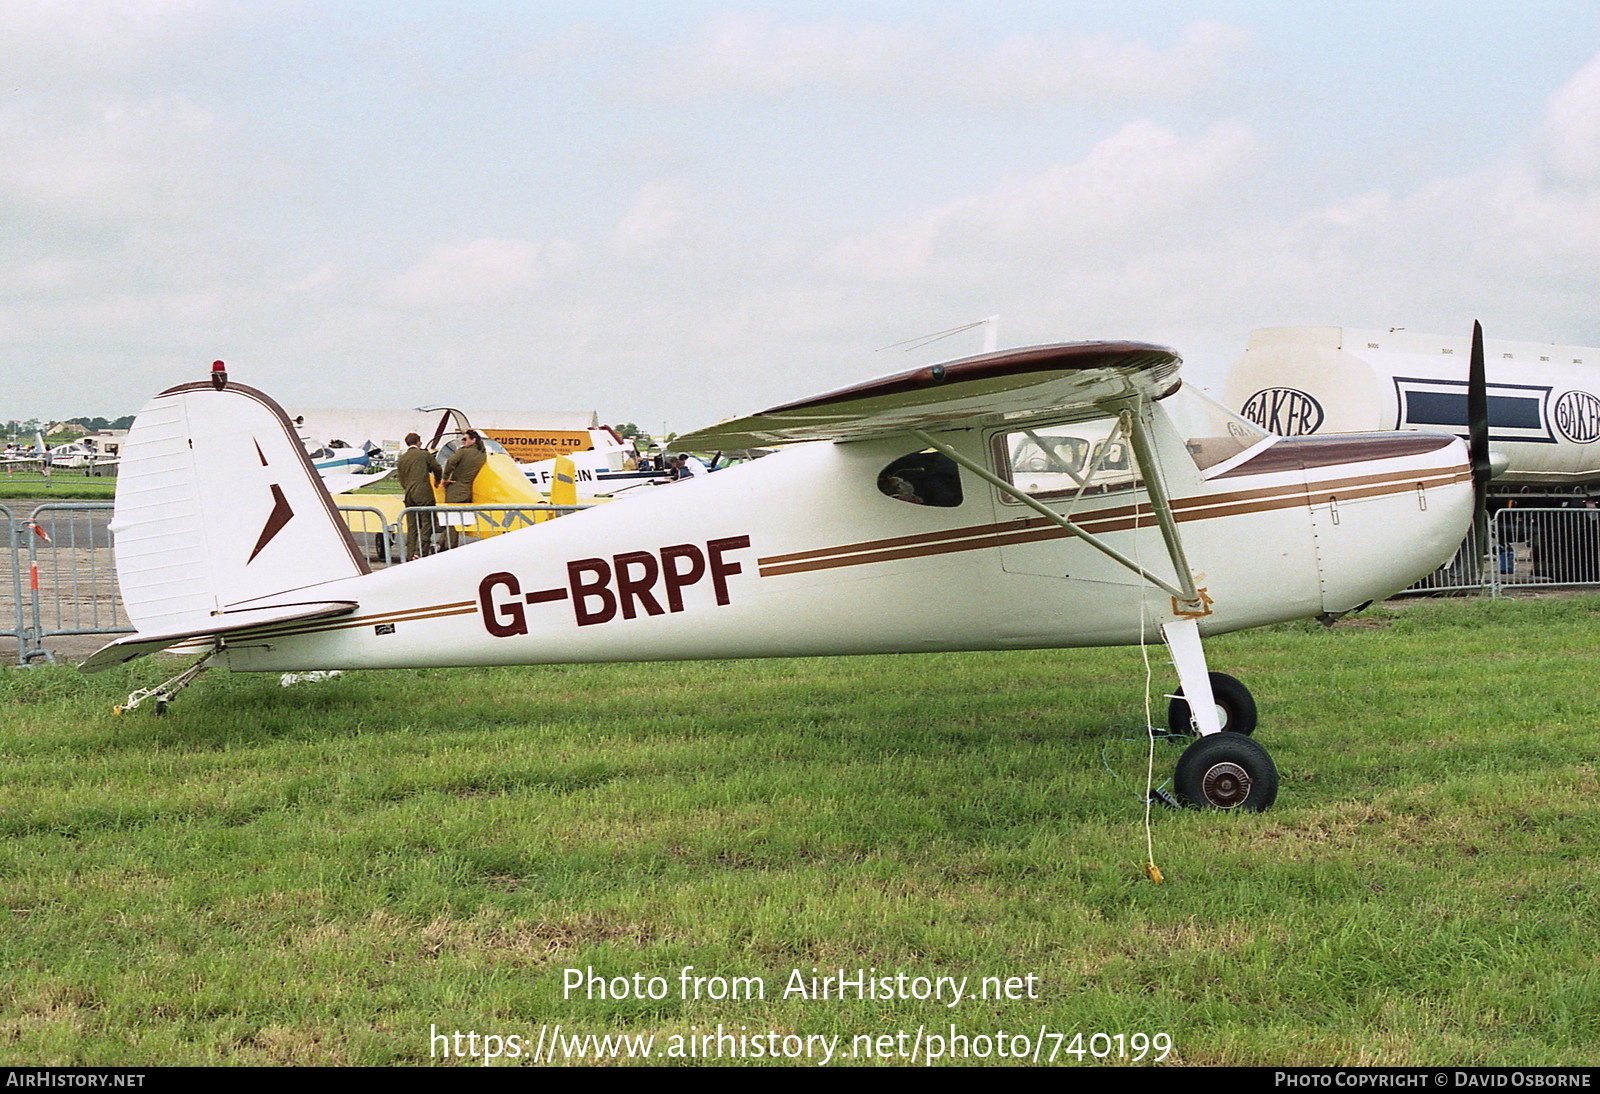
{"points": [[1013, 386], [231, 622]]}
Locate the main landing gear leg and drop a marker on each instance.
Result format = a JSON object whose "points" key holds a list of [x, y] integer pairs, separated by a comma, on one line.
{"points": [[1219, 770]]}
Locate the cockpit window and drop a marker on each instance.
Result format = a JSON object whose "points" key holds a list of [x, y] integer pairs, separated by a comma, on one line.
{"points": [[923, 478], [1094, 456]]}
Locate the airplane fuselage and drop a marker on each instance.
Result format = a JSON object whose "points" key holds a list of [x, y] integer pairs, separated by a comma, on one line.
{"points": [[802, 553]]}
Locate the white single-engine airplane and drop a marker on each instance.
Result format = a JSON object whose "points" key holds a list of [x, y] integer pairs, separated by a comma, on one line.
{"points": [[76, 455], [1054, 496]]}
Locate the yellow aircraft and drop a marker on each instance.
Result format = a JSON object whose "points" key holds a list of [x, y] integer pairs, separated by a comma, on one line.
{"points": [[500, 482]]}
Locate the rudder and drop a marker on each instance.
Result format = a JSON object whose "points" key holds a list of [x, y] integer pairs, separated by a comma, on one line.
{"points": [[218, 506]]}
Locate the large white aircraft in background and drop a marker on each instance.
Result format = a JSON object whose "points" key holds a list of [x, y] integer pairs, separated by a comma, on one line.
{"points": [[1054, 496], [1542, 401]]}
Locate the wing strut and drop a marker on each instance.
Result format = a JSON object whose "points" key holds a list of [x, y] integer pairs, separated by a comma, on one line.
{"points": [[1139, 416]]}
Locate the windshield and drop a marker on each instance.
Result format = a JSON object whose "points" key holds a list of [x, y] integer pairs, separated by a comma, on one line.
{"points": [[1211, 433]]}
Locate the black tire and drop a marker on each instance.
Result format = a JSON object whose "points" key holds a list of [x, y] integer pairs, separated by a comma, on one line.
{"points": [[1226, 771], [1236, 707]]}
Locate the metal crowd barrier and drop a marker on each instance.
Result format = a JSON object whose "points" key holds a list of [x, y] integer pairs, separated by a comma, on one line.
{"points": [[1464, 572], [1547, 547], [57, 565], [72, 573], [1528, 548], [488, 521], [34, 473], [65, 548], [11, 581], [371, 530]]}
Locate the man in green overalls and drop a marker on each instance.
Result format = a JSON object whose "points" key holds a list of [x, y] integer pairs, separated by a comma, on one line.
{"points": [[418, 470], [459, 471]]}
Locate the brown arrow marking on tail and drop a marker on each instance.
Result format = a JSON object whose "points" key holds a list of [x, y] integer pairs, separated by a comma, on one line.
{"points": [[280, 515]]}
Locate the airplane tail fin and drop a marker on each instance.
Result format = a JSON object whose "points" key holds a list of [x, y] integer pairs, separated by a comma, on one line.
{"points": [[219, 511], [563, 487]]}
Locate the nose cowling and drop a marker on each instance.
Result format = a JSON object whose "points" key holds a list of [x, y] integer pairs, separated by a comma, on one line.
{"points": [[1393, 511]]}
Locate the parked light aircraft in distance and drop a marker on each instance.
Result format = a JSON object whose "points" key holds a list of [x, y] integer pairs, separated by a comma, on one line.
{"points": [[1047, 497], [80, 456], [16, 453], [73, 455]]}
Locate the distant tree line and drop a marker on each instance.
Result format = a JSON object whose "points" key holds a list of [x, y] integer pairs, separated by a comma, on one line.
{"points": [[102, 425], [24, 430]]}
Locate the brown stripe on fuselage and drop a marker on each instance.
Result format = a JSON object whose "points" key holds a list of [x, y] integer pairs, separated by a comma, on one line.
{"points": [[1180, 506], [1114, 519], [1435, 477]]}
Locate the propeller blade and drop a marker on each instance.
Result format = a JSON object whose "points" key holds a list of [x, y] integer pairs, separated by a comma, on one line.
{"points": [[1478, 438]]}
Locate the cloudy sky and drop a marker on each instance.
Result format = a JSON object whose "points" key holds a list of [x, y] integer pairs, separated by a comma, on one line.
{"points": [[671, 212]]}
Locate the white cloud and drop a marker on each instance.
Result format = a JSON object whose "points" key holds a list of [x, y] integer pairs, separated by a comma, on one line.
{"points": [[1129, 191], [1518, 237], [659, 213], [1025, 68], [760, 56], [1571, 133], [114, 158], [314, 282], [40, 275], [485, 271], [45, 40]]}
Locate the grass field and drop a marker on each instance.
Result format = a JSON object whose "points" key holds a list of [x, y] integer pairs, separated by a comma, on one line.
{"points": [[26, 485], [329, 873]]}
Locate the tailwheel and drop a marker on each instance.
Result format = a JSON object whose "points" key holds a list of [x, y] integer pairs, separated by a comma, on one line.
{"points": [[1226, 771], [1236, 707]]}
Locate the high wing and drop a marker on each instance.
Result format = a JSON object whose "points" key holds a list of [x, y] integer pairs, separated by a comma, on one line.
{"points": [[1013, 386]]}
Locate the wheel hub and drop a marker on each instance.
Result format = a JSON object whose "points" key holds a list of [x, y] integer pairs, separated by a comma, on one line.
{"points": [[1225, 785]]}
